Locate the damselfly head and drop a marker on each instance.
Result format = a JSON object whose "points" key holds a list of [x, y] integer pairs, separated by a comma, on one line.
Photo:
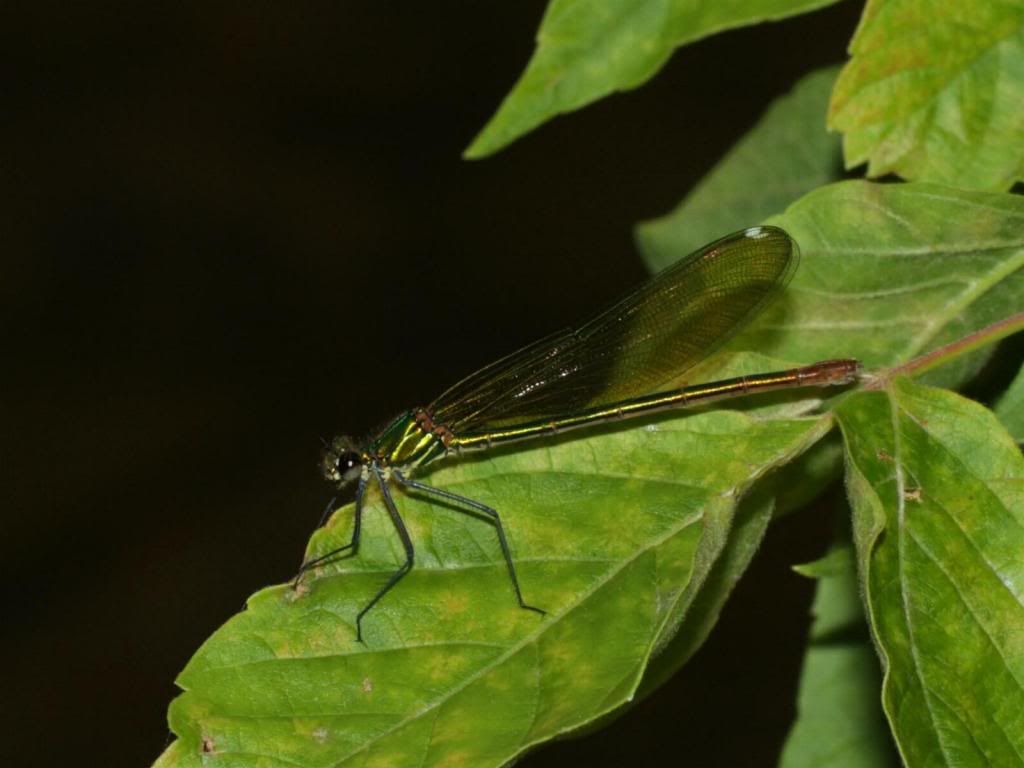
{"points": [[342, 461]]}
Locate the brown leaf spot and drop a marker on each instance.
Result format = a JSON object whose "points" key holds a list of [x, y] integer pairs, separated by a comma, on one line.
{"points": [[912, 494]]}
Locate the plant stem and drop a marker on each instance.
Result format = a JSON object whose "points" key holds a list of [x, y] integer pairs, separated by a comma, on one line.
{"points": [[987, 335]]}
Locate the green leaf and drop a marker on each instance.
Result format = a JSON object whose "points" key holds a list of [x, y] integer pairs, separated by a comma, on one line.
{"points": [[937, 488], [933, 92], [175, 757], [787, 154], [1010, 408], [840, 722], [836, 565], [613, 534], [587, 49], [890, 271]]}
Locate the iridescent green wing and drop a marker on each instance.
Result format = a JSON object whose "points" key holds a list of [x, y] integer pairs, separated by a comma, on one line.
{"points": [[649, 338]]}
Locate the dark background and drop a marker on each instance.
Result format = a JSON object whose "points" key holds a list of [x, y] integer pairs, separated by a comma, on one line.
{"points": [[231, 229]]}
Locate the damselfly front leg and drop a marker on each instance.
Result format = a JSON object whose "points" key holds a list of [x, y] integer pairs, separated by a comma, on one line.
{"points": [[351, 548]]}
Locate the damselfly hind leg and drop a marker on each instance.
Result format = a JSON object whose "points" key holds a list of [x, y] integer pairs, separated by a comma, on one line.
{"points": [[491, 513]]}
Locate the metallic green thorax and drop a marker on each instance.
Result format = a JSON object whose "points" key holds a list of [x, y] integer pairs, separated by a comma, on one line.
{"points": [[406, 443]]}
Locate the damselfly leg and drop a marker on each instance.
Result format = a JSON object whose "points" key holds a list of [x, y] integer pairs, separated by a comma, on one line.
{"points": [[347, 550], [492, 515]]}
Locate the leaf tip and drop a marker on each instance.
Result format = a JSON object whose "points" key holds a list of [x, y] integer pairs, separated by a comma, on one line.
{"points": [[487, 142]]}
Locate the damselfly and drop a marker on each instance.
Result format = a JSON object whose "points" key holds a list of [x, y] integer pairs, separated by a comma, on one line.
{"points": [[610, 368]]}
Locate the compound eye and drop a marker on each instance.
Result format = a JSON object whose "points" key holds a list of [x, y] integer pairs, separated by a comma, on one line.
{"points": [[341, 463], [350, 464]]}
